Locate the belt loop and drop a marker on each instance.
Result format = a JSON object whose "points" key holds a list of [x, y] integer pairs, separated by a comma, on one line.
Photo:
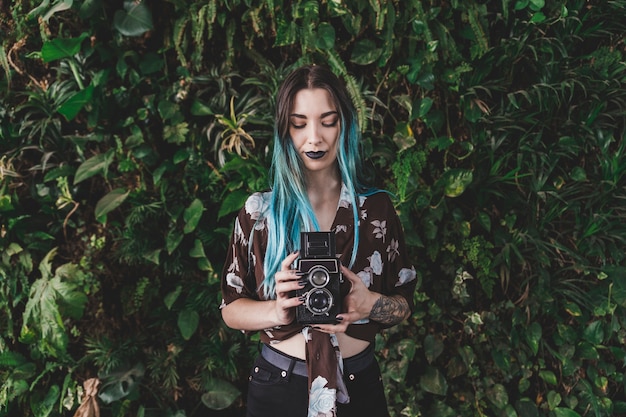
{"points": [[292, 363]]}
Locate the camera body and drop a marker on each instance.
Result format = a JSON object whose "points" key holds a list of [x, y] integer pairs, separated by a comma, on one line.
{"points": [[322, 271]]}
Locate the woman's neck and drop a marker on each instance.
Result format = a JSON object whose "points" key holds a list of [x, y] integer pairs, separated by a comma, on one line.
{"points": [[324, 192]]}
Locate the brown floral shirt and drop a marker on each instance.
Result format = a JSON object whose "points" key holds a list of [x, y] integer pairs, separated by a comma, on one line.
{"points": [[382, 262]]}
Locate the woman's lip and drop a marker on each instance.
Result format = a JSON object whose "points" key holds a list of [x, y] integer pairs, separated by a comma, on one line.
{"points": [[315, 155]]}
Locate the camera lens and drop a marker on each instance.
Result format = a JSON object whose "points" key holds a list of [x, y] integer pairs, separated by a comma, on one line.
{"points": [[319, 276], [319, 301]]}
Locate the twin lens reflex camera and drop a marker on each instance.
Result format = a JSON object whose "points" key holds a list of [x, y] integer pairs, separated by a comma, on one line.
{"points": [[321, 268]]}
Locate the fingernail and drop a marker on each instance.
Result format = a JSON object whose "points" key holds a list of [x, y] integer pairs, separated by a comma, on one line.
{"points": [[300, 274], [302, 298], [339, 318], [302, 282]]}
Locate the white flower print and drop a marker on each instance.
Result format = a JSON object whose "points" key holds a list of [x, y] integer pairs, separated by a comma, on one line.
{"points": [[366, 276], [321, 399], [234, 281], [256, 205], [344, 197], [380, 228], [363, 214], [392, 250], [341, 228], [406, 275], [362, 200], [376, 263], [239, 235]]}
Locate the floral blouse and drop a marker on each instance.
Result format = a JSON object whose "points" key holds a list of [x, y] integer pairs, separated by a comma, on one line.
{"points": [[381, 262]]}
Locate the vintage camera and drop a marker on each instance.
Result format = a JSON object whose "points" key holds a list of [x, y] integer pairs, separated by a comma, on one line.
{"points": [[321, 268]]}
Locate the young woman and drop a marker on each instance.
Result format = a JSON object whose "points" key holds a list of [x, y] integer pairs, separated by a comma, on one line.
{"points": [[323, 369]]}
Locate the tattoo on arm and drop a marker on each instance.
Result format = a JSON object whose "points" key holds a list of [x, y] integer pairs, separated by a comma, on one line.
{"points": [[390, 310]]}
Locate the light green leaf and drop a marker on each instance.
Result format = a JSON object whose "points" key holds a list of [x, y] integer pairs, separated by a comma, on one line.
{"points": [[221, 395], [134, 20], [118, 385], [59, 6], [110, 202], [188, 321], [198, 250], [548, 376], [455, 181], [565, 412], [95, 165], [192, 215]]}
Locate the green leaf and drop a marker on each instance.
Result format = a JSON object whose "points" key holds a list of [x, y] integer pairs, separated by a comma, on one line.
{"points": [[221, 395], [192, 215], [95, 165], [498, 396], [171, 298], [76, 102], [172, 240], [533, 336], [433, 381], [110, 202], [198, 250], [188, 321], [61, 48], [134, 20], [594, 333], [365, 52], [433, 347], [455, 181], [43, 407], [233, 202], [548, 376], [565, 412], [325, 36], [120, 384], [59, 6]]}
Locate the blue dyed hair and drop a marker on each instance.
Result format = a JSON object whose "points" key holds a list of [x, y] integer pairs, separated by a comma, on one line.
{"points": [[290, 210]]}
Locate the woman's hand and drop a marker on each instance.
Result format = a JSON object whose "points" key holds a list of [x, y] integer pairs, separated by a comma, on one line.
{"points": [[358, 304], [287, 281]]}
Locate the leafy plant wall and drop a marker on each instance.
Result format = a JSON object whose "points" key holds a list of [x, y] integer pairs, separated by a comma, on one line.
{"points": [[131, 132]]}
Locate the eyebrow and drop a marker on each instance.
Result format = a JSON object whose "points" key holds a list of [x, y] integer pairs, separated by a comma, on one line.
{"points": [[324, 115]]}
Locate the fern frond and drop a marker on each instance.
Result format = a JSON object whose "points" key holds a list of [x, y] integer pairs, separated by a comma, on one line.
{"points": [[337, 66]]}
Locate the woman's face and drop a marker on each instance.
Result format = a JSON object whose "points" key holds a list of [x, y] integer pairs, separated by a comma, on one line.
{"points": [[314, 128]]}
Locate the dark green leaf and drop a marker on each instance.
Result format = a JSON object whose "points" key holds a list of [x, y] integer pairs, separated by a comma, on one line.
{"points": [[188, 321], [192, 215], [221, 395], [61, 48], [365, 52], [75, 103]]}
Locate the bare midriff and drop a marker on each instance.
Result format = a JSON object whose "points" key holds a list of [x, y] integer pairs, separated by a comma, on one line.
{"points": [[295, 345]]}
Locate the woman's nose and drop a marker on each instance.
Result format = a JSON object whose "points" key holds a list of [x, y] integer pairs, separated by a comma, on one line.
{"points": [[313, 134]]}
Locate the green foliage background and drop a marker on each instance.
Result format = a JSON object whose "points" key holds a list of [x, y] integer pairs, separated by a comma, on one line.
{"points": [[131, 132]]}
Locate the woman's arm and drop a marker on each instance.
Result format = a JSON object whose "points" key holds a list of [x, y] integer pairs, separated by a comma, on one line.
{"points": [[250, 315], [361, 303]]}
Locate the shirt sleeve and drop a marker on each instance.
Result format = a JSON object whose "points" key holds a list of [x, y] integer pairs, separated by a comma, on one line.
{"points": [[238, 277], [390, 266]]}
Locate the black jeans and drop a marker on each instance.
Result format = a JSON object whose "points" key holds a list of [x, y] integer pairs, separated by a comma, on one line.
{"points": [[273, 392]]}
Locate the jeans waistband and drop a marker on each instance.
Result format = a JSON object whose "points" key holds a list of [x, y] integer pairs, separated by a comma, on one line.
{"points": [[298, 366]]}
